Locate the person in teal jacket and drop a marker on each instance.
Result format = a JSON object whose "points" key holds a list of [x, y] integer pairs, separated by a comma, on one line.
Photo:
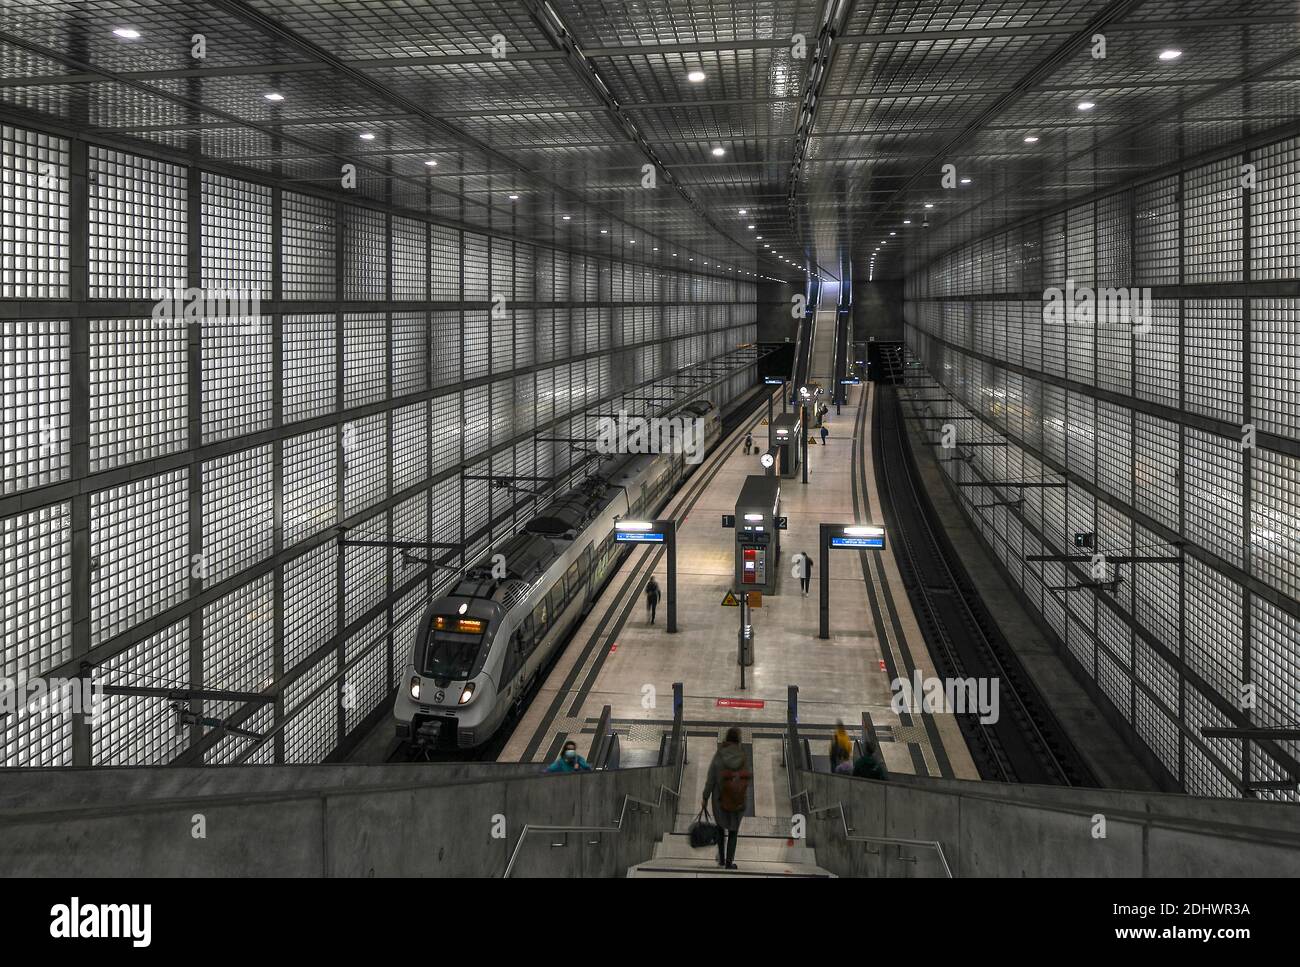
{"points": [[569, 761], [866, 767]]}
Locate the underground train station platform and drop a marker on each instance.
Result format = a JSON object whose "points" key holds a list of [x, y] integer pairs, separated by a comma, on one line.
{"points": [[797, 440], [618, 658]]}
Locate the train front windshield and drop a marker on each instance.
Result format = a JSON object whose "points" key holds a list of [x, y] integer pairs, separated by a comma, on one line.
{"points": [[452, 647]]}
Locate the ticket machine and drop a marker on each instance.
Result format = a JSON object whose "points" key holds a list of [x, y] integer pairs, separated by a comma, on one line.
{"points": [[758, 544]]}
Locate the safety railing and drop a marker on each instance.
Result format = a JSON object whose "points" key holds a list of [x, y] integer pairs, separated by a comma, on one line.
{"points": [[897, 841], [805, 795], [797, 762], [629, 804], [598, 754]]}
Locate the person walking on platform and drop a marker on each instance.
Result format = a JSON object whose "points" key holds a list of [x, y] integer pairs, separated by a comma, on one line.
{"points": [[803, 569], [841, 747], [866, 767], [837, 407], [825, 434], [652, 597], [749, 443], [727, 787], [569, 761]]}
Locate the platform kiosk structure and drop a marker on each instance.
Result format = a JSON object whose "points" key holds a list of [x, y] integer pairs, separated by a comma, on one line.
{"points": [[784, 433], [758, 541]]}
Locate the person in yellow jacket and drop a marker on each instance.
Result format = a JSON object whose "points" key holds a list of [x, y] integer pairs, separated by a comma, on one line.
{"points": [[841, 746]]}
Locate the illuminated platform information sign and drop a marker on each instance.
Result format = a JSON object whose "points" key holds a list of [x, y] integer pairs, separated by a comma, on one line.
{"points": [[875, 541], [638, 537]]}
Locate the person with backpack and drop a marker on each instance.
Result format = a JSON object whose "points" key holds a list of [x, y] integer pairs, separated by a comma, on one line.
{"points": [[569, 760], [727, 786], [749, 443], [841, 746], [866, 767], [825, 434], [652, 597]]}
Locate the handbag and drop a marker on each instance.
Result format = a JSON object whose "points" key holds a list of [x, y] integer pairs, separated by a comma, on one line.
{"points": [[704, 831]]}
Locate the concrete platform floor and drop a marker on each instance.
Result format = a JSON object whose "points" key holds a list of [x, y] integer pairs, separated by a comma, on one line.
{"points": [[618, 658]]}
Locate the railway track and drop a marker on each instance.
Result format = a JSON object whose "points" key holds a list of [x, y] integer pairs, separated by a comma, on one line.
{"points": [[1026, 743]]}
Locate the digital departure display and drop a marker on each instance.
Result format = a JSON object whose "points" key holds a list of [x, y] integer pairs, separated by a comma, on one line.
{"points": [[876, 542], [638, 537]]}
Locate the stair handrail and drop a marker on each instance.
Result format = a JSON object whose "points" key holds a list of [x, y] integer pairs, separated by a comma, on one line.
{"points": [[793, 765], [678, 745], [600, 742], [898, 841]]}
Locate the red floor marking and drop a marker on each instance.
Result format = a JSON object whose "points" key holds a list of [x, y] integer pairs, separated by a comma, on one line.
{"points": [[882, 664], [739, 703], [613, 648]]}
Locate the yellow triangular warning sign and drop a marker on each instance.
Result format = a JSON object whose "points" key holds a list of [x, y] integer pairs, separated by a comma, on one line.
{"points": [[729, 601], [763, 422]]}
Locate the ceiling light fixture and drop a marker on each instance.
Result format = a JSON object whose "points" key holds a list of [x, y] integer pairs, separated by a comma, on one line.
{"points": [[695, 77], [1087, 105], [274, 96], [1031, 139], [965, 181], [1170, 54], [567, 217], [513, 197], [719, 152], [929, 204], [366, 136], [126, 33], [431, 163]]}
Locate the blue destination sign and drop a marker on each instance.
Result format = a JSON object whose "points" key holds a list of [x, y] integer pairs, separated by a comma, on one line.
{"points": [[773, 380], [874, 542], [850, 382], [637, 537]]}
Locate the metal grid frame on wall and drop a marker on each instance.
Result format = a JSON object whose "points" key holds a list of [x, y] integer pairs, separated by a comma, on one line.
{"points": [[1179, 436], [174, 500]]}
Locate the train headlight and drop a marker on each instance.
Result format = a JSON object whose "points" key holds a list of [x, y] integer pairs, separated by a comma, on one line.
{"points": [[415, 687], [468, 693]]}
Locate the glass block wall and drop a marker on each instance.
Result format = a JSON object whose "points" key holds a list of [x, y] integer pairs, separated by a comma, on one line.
{"points": [[1171, 434], [176, 474]]}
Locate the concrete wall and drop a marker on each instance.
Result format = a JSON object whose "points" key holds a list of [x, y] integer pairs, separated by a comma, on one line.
{"points": [[400, 823], [878, 311], [992, 829]]}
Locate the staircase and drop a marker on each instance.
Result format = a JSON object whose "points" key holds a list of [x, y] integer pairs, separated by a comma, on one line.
{"points": [[756, 855]]}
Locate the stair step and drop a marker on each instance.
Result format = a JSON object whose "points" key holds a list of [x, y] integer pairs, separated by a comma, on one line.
{"points": [[747, 848], [680, 867]]}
